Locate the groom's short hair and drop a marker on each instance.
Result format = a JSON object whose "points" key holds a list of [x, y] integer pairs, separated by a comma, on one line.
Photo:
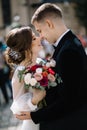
{"points": [[46, 10]]}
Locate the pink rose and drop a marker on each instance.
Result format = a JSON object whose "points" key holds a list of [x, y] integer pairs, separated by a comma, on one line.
{"points": [[51, 77], [38, 76]]}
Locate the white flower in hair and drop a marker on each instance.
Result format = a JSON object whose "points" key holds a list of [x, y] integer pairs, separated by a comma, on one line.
{"points": [[15, 54], [16, 57]]}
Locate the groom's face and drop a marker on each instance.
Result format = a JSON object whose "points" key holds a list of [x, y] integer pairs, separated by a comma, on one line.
{"points": [[44, 31]]}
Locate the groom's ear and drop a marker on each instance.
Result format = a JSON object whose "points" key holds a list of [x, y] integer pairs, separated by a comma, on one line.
{"points": [[49, 23]]}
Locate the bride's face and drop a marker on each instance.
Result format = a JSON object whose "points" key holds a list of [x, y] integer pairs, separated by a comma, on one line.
{"points": [[36, 44]]}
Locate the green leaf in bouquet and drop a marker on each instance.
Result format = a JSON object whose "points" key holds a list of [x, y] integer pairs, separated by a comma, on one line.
{"points": [[41, 87], [21, 75], [37, 85], [53, 84], [26, 86], [59, 80], [56, 75]]}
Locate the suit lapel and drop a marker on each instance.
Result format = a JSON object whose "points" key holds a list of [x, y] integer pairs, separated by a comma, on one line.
{"points": [[67, 36]]}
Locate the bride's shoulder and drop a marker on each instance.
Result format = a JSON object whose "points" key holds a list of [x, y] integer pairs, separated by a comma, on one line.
{"points": [[17, 69], [15, 78], [20, 67]]}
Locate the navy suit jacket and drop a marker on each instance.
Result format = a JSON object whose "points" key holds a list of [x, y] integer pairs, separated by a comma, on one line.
{"points": [[65, 101]]}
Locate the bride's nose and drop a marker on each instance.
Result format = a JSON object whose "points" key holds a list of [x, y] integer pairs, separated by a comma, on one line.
{"points": [[39, 39]]}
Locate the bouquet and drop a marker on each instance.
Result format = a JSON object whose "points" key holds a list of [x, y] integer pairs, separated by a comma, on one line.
{"points": [[41, 75]]}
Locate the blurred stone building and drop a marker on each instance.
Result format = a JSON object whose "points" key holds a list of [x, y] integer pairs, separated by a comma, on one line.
{"points": [[19, 12]]}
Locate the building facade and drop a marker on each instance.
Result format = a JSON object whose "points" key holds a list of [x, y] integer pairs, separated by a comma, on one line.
{"points": [[19, 12]]}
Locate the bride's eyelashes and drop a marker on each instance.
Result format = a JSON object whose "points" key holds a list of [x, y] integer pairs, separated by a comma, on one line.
{"points": [[33, 38]]}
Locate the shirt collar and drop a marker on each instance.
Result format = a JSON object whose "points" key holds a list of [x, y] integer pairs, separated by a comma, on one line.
{"points": [[57, 42]]}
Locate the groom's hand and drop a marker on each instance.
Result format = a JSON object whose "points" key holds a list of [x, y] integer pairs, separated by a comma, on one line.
{"points": [[23, 116], [38, 95]]}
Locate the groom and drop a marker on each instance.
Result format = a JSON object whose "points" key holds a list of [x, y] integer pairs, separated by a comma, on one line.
{"points": [[66, 104]]}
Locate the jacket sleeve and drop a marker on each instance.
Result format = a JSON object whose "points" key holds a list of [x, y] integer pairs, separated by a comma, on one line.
{"points": [[69, 65]]}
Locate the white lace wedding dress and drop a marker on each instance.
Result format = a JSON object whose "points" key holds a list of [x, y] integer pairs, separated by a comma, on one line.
{"points": [[22, 102]]}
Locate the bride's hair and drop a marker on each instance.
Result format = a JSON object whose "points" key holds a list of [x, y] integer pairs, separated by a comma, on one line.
{"points": [[19, 41]]}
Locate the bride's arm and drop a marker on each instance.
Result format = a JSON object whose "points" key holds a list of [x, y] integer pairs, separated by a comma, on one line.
{"points": [[17, 87], [38, 95]]}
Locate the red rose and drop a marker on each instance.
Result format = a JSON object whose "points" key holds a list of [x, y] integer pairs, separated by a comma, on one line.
{"points": [[51, 71], [34, 67], [44, 82]]}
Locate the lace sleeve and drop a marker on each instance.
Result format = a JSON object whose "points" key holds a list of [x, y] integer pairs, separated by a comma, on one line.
{"points": [[22, 100], [17, 87]]}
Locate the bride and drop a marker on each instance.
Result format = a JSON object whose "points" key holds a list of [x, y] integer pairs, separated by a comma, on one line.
{"points": [[22, 51]]}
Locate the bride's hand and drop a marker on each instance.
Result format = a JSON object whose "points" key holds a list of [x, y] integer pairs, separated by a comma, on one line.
{"points": [[23, 116], [38, 95]]}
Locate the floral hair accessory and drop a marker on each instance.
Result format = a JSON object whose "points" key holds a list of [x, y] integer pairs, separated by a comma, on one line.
{"points": [[14, 54]]}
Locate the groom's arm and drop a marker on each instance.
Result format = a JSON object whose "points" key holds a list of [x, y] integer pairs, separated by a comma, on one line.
{"points": [[70, 67], [70, 71]]}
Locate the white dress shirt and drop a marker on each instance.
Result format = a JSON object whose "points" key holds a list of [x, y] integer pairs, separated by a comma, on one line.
{"points": [[57, 42]]}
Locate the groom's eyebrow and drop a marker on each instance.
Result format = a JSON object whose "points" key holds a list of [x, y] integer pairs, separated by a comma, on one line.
{"points": [[38, 30]]}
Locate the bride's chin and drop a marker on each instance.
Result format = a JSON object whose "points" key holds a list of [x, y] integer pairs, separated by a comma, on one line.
{"points": [[41, 54]]}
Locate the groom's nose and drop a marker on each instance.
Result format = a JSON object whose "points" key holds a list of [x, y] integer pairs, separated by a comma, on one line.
{"points": [[42, 38]]}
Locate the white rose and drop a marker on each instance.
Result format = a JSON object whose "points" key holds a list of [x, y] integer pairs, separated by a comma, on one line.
{"points": [[39, 60], [27, 78], [48, 64], [33, 82], [52, 63], [39, 70]]}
